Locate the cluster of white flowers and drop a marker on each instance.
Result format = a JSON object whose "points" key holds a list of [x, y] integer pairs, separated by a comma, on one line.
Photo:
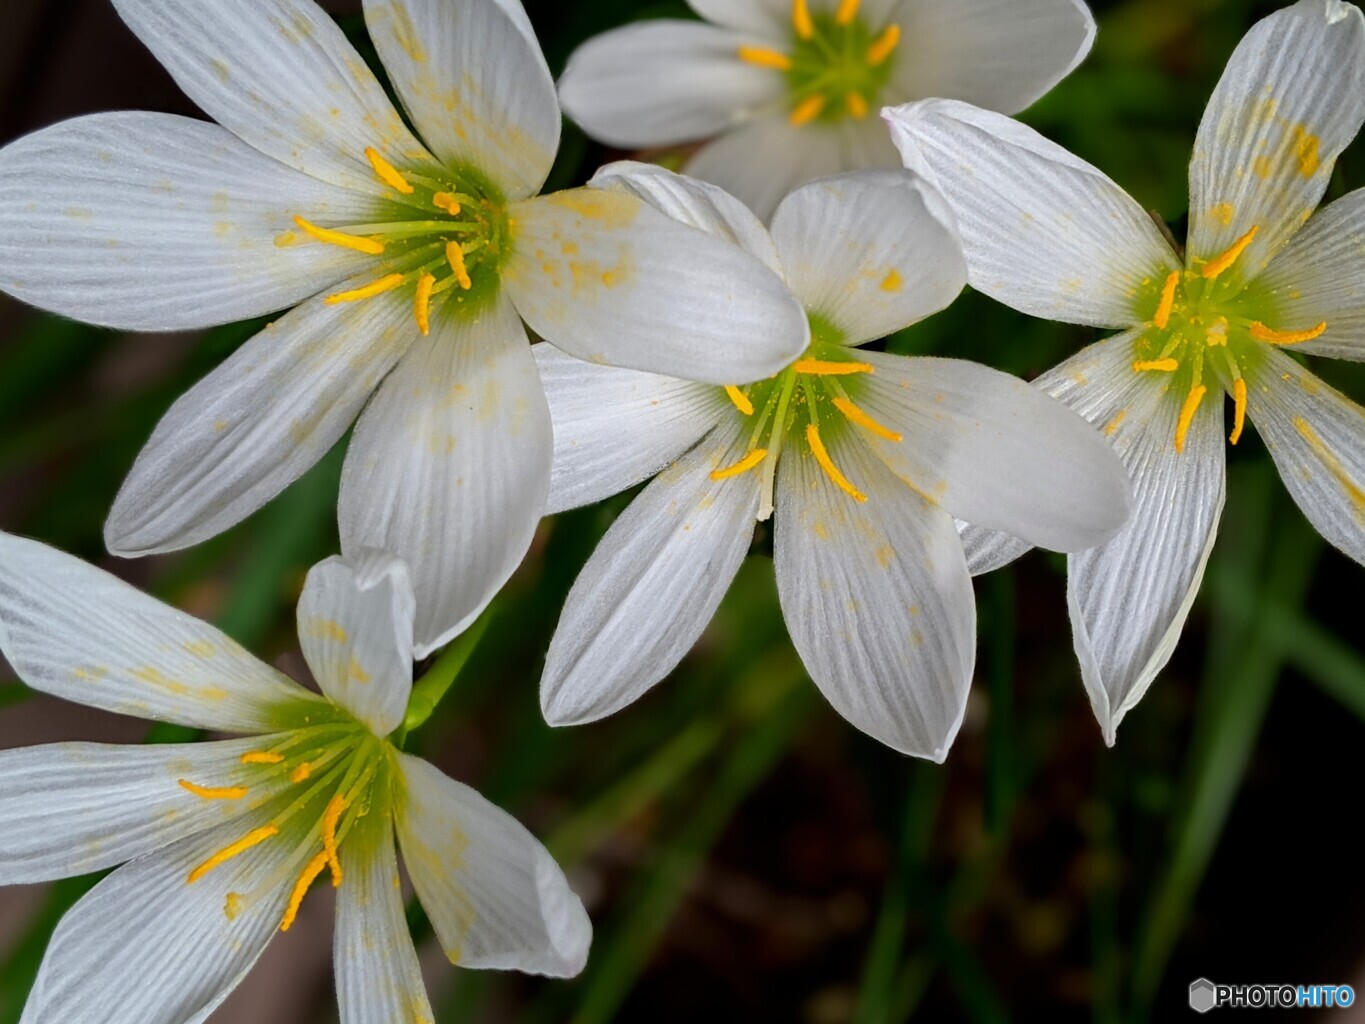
{"points": [[717, 348]]}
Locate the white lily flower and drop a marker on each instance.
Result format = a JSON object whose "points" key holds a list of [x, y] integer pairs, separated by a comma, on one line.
{"points": [[413, 264], [221, 841], [1262, 276], [863, 457], [785, 87]]}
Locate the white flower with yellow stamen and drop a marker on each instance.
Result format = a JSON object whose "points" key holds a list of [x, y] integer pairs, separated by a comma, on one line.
{"points": [[414, 263], [859, 456], [786, 87], [221, 841], [1262, 277]]}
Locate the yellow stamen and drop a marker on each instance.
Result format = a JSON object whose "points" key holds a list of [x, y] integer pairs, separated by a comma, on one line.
{"points": [[1182, 429], [808, 111], [262, 757], [817, 448], [330, 820], [366, 245], [865, 421], [848, 10], [763, 57], [210, 793], [1239, 420], [805, 27], [1218, 265], [238, 848], [1155, 366], [884, 46], [742, 466], [301, 773], [310, 875], [387, 173], [1163, 311], [455, 257], [384, 284], [820, 368], [857, 105], [445, 201], [740, 399], [1261, 332], [423, 308]]}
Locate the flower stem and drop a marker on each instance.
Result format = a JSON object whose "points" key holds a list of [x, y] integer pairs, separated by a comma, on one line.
{"points": [[431, 689]]}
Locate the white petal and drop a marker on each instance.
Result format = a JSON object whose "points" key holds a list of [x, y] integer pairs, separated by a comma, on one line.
{"points": [[1317, 438], [378, 977], [449, 467], [72, 809], [989, 550], [996, 452], [698, 204], [494, 894], [78, 633], [150, 222], [472, 76], [1319, 277], [258, 422], [1292, 98], [999, 54], [871, 252], [877, 600], [656, 83], [652, 585], [280, 75], [1045, 232], [144, 947], [608, 278], [355, 628], [616, 428]]}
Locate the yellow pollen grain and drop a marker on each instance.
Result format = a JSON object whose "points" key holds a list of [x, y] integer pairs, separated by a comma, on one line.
{"points": [[330, 820], [857, 106], [368, 246], [1163, 311], [1111, 428], [1155, 366], [310, 874], [455, 257], [247, 842], [801, 19], [422, 308], [232, 906], [212, 793], [763, 57], [848, 10], [301, 773], [262, 757], [821, 368], [740, 400], [893, 282], [856, 415], [1307, 151], [1239, 416], [446, 202], [807, 111], [1215, 267], [817, 447], [1261, 332], [884, 46], [1182, 428], [384, 284], [741, 467], [387, 173]]}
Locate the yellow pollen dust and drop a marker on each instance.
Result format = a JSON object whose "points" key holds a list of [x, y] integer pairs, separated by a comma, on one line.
{"points": [[1239, 421], [801, 19], [1261, 332], [315, 867], [817, 447], [455, 257], [807, 111], [1155, 366], [262, 757], [247, 842], [1163, 312], [422, 309], [884, 46], [387, 173], [368, 246], [369, 291], [1220, 264], [820, 368], [1192, 403], [750, 461], [740, 400], [215, 793], [856, 415], [763, 57]]}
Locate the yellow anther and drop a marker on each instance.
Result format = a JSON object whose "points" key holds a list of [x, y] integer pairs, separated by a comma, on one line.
{"points": [[1217, 266], [801, 19], [330, 820], [251, 839], [1217, 334], [740, 399], [211, 793], [455, 257], [857, 105], [1182, 428], [301, 773], [1155, 366], [763, 57], [384, 284], [445, 201], [1261, 332], [262, 757], [368, 246], [1239, 415], [817, 447], [1163, 311], [858, 416], [310, 875], [387, 173], [821, 368], [807, 111], [848, 10], [743, 466], [884, 46], [423, 308]]}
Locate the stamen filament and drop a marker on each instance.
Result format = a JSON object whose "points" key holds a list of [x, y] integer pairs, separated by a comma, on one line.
{"points": [[212, 793], [741, 467], [262, 757], [247, 842], [801, 19], [848, 10], [884, 46], [1219, 264], [821, 368], [1182, 429], [368, 246], [817, 447], [1261, 332], [423, 303], [387, 173], [306, 879], [1155, 366], [384, 284], [455, 257], [1163, 311], [763, 57], [740, 400], [807, 111], [858, 416], [1239, 421]]}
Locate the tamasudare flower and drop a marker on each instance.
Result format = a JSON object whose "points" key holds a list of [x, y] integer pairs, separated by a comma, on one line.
{"points": [[861, 458], [1262, 279], [414, 263], [221, 841], [786, 87]]}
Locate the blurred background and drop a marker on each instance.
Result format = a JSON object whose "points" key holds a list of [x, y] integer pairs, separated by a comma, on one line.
{"points": [[744, 853]]}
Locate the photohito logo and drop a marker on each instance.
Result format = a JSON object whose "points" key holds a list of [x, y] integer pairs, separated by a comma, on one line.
{"points": [[1206, 996]]}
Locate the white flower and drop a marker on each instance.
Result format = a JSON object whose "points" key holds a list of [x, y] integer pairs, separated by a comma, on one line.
{"points": [[785, 87], [1050, 235], [413, 263], [864, 457], [221, 841]]}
